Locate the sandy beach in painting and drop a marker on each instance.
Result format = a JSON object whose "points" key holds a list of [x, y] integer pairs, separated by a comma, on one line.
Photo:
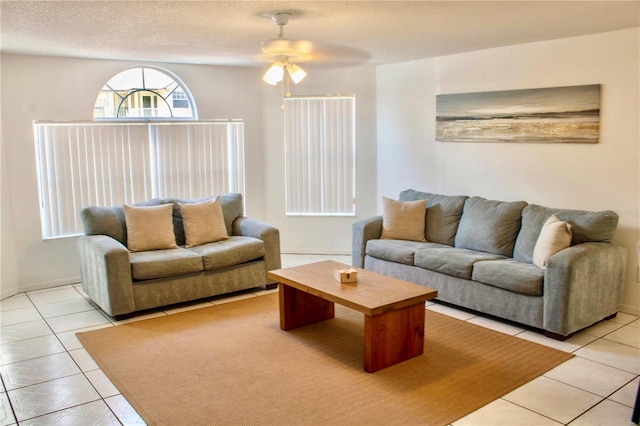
{"points": [[554, 115]]}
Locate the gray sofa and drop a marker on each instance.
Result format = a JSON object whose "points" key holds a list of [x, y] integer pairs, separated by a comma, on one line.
{"points": [[478, 255], [121, 282]]}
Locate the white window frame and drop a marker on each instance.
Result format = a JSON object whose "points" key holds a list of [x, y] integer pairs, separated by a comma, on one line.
{"points": [[320, 154], [133, 95]]}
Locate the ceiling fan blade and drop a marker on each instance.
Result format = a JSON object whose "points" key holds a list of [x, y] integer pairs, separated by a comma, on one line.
{"points": [[328, 55], [317, 54]]}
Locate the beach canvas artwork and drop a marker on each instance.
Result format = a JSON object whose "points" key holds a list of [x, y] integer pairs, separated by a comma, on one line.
{"points": [[550, 115]]}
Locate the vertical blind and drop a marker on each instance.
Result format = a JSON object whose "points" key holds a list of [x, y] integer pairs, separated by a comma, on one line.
{"points": [[197, 160], [320, 155], [106, 164]]}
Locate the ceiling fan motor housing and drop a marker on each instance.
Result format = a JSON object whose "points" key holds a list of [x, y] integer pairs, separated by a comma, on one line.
{"points": [[283, 49], [281, 18]]}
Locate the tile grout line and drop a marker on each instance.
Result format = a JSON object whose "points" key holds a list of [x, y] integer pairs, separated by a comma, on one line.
{"points": [[533, 411], [82, 372], [13, 411], [602, 399], [596, 339], [101, 398]]}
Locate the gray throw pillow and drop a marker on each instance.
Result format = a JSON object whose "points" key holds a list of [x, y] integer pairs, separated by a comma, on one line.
{"points": [[109, 220], [586, 226], [443, 214], [489, 225]]}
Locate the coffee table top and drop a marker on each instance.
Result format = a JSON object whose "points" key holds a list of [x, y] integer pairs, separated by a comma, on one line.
{"points": [[373, 294]]}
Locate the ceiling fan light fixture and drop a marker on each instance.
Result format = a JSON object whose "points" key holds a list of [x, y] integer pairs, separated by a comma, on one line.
{"points": [[296, 73], [274, 74], [285, 52]]}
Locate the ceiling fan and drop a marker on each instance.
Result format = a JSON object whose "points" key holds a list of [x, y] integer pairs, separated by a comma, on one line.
{"points": [[285, 53]]}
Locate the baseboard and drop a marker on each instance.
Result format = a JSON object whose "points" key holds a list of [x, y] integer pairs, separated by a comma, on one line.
{"points": [[631, 310], [48, 284], [315, 251], [8, 292]]}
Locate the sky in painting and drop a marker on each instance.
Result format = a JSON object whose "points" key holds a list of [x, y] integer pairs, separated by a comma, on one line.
{"points": [[528, 101]]}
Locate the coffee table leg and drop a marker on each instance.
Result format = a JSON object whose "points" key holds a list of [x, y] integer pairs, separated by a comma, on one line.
{"points": [[298, 308], [393, 337]]}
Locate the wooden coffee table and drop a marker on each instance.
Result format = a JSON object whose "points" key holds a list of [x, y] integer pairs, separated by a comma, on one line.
{"points": [[393, 309]]}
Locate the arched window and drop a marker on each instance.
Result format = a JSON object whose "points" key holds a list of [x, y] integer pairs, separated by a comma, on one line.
{"points": [[144, 93], [145, 142]]}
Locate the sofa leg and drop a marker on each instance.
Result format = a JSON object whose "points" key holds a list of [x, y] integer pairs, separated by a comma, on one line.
{"points": [[556, 336], [563, 338], [271, 286], [123, 317]]}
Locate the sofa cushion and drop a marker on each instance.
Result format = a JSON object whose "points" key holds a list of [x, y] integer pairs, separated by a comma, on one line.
{"points": [[509, 274], [232, 207], [146, 265], [443, 214], [149, 227], [403, 220], [451, 261], [234, 251], [554, 237], [203, 222], [109, 220], [398, 251], [489, 225], [585, 227]]}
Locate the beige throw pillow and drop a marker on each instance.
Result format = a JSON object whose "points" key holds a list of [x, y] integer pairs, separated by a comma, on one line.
{"points": [[203, 222], [554, 236], [403, 220], [149, 227]]}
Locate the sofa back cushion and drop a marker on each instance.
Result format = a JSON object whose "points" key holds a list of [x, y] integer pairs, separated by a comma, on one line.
{"points": [[109, 220], [489, 225], [585, 227], [443, 214], [232, 208]]}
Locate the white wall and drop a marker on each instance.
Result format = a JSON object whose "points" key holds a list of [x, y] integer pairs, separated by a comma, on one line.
{"points": [[8, 280], [47, 88], [395, 143], [322, 234], [591, 177]]}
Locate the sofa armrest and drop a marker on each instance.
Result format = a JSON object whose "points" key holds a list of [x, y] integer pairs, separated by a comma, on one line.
{"points": [[248, 227], [582, 285], [361, 232], [106, 273]]}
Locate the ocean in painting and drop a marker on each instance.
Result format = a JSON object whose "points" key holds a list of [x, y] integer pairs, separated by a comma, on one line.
{"points": [[553, 115]]}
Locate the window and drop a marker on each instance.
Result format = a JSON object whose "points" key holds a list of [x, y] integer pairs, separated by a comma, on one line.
{"points": [[180, 99], [105, 164], [137, 154], [320, 155], [144, 92]]}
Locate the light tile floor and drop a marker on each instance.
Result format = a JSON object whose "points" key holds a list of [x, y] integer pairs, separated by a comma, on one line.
{"points": [[48, 378]]}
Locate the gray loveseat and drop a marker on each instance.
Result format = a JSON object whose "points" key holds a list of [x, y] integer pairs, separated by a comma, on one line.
{"points": [[121, 282], [478, 255]]}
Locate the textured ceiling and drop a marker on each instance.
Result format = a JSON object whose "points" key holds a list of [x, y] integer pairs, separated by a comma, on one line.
{"points": [[343, 32]]}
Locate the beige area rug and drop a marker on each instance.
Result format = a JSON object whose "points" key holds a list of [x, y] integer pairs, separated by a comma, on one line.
{"points": [[231, 364]]}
